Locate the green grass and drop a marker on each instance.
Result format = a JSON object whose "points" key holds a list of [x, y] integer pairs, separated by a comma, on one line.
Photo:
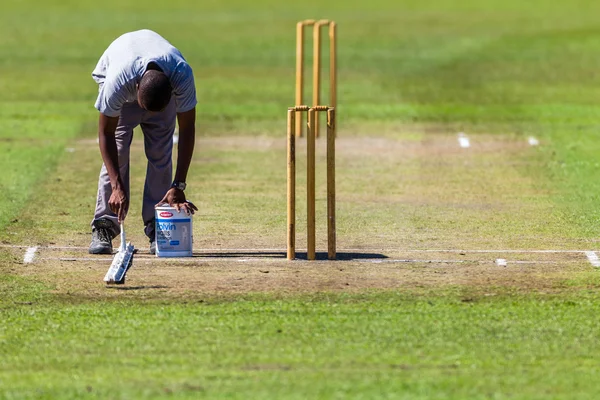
{"points": [[409, 71], [326, 346], [498, 67]]}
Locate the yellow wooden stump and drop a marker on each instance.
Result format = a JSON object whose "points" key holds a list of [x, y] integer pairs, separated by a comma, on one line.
{"points": [[312, 113], [316, 79]]}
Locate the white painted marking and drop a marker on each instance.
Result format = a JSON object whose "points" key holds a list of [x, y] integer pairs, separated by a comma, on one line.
{"points": [[463, 140], [349, 250], [29, 255], [593, 258], [70, 150], [99, 259], [390, 260], [198, 259], [175, 139], [387, 260], [19, 246], [541, 262], [533, 141], [524, 251], [97, 140], [501, 262]]}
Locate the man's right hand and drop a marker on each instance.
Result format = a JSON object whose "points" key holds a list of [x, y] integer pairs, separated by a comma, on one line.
{"points": [[118, 203]]}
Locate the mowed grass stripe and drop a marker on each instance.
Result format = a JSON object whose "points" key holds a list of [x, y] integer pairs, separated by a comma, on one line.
{"points": [[240, 189], [24, 166], [317, 346], [33, 139], [424, 192]]}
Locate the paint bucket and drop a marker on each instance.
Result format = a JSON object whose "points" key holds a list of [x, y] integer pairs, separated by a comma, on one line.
{"points": [[173, 232]]}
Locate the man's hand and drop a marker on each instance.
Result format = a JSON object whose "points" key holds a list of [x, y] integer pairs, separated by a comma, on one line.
{"points": [[176, 198], [185, 149], [118, 203]]}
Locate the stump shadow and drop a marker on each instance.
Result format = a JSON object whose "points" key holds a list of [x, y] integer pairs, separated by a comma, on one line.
{"points": [[320, 256]]}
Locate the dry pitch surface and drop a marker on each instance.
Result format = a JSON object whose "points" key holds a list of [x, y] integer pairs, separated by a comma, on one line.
{"points": [[415, 212]]}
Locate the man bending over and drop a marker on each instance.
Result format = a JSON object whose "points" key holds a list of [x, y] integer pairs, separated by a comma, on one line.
{"points": [[143, 80]]}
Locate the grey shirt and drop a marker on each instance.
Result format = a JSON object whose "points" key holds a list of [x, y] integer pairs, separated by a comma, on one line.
{"points": [[124, 62]]}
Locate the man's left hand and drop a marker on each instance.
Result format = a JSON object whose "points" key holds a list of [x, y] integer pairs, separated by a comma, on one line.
{"points": [[176, 198]]}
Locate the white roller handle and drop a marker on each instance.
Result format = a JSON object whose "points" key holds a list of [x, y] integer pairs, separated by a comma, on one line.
{"points": [[123, 244]]}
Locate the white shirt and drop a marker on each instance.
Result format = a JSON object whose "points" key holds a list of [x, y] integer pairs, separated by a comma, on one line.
{"points": [[122, 65]]}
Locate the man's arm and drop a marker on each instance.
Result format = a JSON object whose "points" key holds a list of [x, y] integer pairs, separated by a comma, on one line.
{"points": [[187, 139], [118, 201], [185, 150]]}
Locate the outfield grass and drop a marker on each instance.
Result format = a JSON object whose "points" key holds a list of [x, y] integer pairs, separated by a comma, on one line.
{"points": [[411, 75], [386, 345]]}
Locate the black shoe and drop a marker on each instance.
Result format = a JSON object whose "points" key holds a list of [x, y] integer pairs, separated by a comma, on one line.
{"points": [[102, 236], [149, 230]]}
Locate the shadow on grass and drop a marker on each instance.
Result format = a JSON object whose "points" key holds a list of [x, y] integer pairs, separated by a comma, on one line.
{"points": [[242, 254], [299, 255], [142, 287], [344, 256]]}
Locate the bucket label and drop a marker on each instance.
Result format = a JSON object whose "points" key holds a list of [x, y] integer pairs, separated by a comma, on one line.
{"points": [[173, 233], [166, 226]]}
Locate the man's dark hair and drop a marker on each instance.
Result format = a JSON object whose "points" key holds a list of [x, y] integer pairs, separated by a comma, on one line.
{"points": [[154, 90]]}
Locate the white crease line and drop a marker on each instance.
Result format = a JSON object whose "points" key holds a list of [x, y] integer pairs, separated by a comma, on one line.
{"points": [[155, 260], [75, 259], [29, 255], [494, 251], [245, 260], [463, 140], [501, 262], [395, 250], [593, 258], [387, 260], [200, 260], [533, 141], [22, 246], [542, 262], [340, 251]]}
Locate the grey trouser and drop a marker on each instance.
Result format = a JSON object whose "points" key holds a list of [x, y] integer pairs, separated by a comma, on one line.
{"points": [[158, 128]]}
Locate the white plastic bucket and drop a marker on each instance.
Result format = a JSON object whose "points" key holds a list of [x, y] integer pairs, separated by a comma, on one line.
{"points": [[173, 232]]}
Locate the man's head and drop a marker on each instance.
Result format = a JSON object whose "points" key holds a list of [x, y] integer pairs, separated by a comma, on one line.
{"points": [[154, 90]]}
